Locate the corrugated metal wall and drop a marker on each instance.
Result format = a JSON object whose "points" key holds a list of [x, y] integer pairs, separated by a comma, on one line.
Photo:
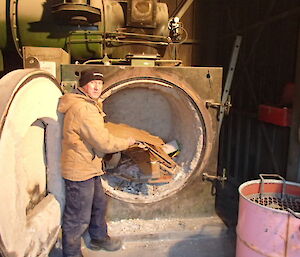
{"points": [[266, 62]]}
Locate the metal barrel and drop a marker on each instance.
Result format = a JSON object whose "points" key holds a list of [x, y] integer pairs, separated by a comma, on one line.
{"points": [[265, 226]]}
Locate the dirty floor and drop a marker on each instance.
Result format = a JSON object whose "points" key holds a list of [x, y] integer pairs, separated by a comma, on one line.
{"points": [[200, 237]]}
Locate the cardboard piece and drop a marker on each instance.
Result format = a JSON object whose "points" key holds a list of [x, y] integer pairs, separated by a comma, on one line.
{"points": [[155, 165]]}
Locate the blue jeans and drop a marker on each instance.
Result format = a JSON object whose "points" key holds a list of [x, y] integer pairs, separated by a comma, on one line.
{"points": [[85, 208]]}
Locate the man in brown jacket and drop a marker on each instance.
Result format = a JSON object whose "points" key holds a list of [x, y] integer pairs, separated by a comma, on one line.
{"points": [[85, 142]]}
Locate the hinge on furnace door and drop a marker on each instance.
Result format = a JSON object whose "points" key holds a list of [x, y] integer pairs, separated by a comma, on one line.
{"points": [[222, 108], [214, 180]]}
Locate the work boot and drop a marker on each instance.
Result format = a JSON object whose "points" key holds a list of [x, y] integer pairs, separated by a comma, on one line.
{"points": [[107, 243]]}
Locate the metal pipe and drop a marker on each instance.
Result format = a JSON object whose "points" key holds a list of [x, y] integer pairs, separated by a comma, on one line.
{"points": [[78, 41], [182, 8], [136, 34], [119, 34]]}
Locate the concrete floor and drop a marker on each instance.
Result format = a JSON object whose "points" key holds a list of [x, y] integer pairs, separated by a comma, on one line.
{"points": [[201, 237]]}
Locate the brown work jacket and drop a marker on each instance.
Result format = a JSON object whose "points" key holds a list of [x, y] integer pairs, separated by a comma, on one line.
{"points": [[85, 139]]}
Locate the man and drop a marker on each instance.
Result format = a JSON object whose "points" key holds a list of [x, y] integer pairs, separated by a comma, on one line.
{"points": [[85, 142]]}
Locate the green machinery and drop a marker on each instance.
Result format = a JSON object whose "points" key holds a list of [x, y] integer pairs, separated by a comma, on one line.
{"points": [[89, 29], [126, 41]]}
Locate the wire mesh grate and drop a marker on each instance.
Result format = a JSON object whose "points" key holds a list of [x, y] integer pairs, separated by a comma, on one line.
{"points": [[277, 201]]}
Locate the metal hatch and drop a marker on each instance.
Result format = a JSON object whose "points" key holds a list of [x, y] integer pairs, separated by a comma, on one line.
{"points": [[31, 189]]}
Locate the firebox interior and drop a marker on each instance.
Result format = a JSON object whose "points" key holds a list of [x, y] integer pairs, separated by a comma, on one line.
{"points": [[168, 112]]}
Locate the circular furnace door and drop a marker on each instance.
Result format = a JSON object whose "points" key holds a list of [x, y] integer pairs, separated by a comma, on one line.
{"points": [[165, 109], [31, 188]]}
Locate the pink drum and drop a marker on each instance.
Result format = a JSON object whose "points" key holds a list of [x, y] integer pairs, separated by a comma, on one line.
{"points": [[269, 218]]}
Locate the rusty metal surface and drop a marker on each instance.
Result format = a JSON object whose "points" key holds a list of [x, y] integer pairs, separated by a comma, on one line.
{"points": [[194, 199]]}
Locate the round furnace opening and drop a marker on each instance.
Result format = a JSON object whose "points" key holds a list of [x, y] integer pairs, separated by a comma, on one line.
{"points": [[165, 110]]}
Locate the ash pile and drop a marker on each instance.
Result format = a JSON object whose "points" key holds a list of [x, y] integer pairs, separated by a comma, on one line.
{"points": [[148, 162]]}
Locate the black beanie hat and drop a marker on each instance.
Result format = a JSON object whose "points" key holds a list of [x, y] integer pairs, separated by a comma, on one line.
{"points": [[89, 75]]}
